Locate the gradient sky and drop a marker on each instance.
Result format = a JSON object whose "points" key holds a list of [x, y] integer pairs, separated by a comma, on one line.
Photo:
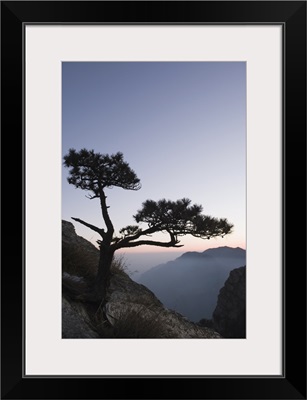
{"points": [[181, 127]]}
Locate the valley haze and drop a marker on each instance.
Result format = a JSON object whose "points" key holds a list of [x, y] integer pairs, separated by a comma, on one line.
{"points": [[139, 262], [191, 283]]}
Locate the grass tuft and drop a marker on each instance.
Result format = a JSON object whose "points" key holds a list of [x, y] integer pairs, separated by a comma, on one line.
{"points": [[131, 324], [119, 265]]}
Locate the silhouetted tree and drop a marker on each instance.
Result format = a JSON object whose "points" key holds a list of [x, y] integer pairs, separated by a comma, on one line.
{"points": [[94, 172]]}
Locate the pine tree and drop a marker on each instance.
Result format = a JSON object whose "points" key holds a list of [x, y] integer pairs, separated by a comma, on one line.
{"points": [[95, 172]]}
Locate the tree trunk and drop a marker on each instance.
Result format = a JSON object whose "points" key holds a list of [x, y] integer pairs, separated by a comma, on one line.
{"points": [[103, 275]]}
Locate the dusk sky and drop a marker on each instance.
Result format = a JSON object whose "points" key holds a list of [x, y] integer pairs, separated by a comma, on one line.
{"points": [[181, 127]]}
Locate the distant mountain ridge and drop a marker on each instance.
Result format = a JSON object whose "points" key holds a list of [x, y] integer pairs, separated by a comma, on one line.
{"points": [[225, 250], [190, 284]]}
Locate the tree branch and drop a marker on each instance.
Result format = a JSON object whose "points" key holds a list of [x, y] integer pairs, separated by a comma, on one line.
{"points": [[93, 227], [128, 243], [148, 242], [91, 197], [148, 231]]}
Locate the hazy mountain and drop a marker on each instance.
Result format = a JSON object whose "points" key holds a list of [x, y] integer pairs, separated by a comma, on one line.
{"points": [[191, 283]]}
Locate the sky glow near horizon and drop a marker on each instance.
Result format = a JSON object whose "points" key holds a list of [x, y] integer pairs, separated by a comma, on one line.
{"points": [[181, 127]]}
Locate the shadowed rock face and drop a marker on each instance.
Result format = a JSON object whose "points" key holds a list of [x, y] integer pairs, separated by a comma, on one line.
{"points": [[125, 298], [229, 316]]}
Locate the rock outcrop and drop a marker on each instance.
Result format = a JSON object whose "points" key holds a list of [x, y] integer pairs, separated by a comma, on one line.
{"points": [[229, 316], [79, 256], [131, 310]]}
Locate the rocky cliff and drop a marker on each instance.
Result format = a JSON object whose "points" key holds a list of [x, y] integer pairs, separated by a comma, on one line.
{"points": [[131, 310], [229, 315]]}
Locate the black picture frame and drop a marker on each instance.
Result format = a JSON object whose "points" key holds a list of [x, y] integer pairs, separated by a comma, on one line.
{"points": [[292, 16]]}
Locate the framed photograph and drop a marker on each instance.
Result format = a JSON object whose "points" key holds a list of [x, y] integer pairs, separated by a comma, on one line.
{"points": [[163, 155]]}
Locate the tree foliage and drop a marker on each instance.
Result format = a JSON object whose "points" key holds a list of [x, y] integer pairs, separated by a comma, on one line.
{"points": [[94, 171], [181, 218]]}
